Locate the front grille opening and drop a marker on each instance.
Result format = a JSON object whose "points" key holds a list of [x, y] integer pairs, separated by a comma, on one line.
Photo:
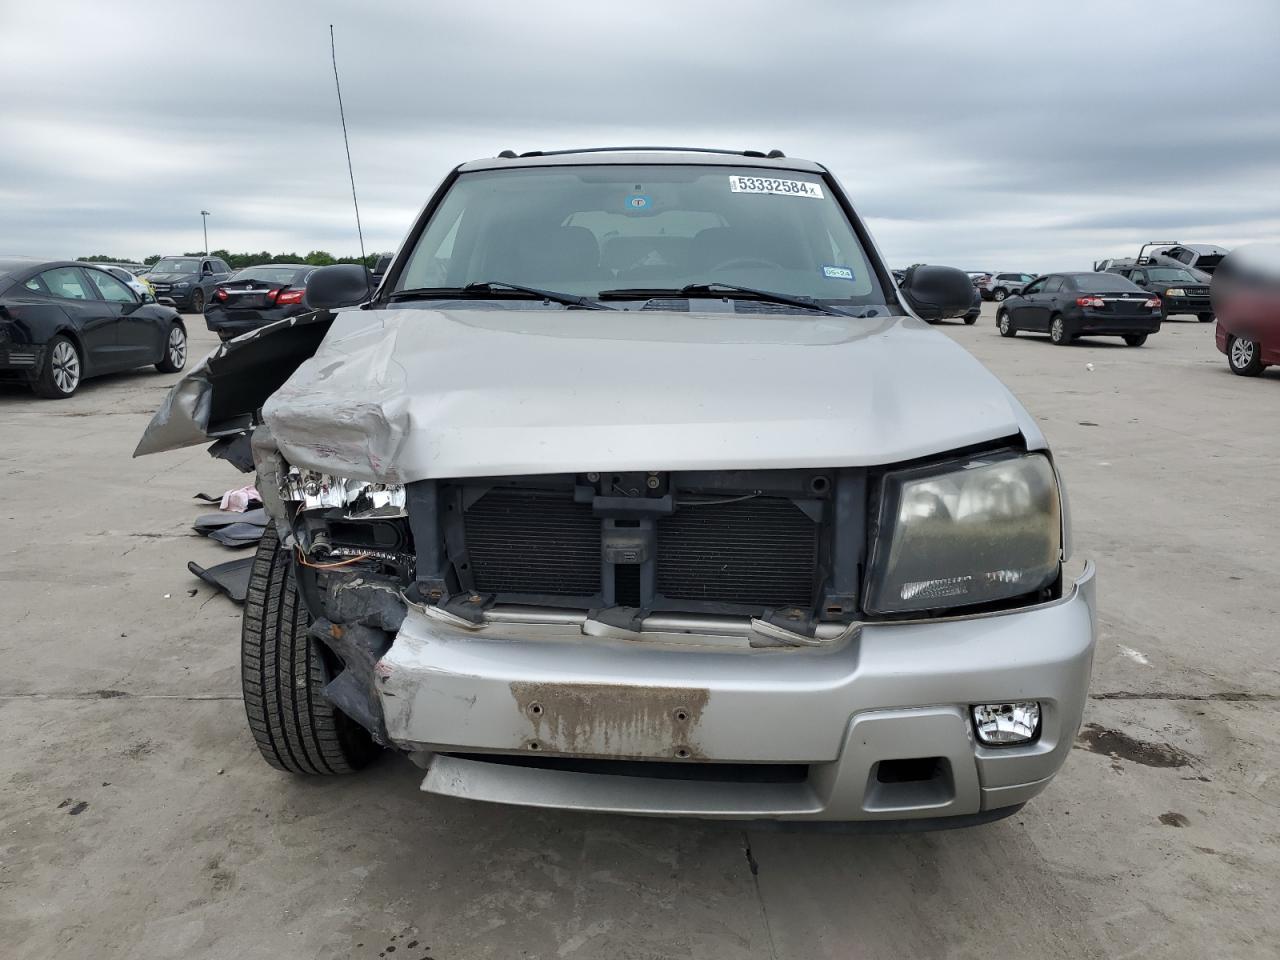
{"points": [[533, 541], [906, 784], [744, 773], [915, 770], [761, 551]]}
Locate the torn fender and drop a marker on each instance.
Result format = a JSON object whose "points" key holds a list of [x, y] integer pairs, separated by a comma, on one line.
{"points": [[221, 395]]}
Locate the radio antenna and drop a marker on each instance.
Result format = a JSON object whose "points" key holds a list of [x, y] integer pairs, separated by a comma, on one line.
{"points": [[333, 52]]}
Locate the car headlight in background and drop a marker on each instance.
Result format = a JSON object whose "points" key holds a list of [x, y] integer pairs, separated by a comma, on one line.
{"points": [[1175, 292], [981, 530], [183, 285]]}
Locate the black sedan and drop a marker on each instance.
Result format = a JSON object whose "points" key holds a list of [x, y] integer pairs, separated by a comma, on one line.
{"points": [[62, 322], [257, 296], [186, 282], [1071, 305]]}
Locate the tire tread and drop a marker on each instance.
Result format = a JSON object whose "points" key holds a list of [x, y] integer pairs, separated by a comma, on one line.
{"points": [[283, 676]]}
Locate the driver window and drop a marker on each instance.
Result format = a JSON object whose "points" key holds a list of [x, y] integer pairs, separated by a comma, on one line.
{"points": [[206, 269], [1037, 287]]}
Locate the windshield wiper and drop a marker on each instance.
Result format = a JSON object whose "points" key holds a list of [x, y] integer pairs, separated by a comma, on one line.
{"points": [[769, 296], [482, 288]]}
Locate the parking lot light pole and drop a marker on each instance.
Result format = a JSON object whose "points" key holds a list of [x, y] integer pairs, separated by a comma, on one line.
{"points": [[204, 222]]}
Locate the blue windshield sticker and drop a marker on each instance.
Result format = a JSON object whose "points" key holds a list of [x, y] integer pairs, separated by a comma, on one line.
{"points": [[638, 201], [837, 273]]}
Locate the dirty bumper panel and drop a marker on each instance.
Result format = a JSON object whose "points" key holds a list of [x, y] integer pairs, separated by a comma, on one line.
{"points": [[897, 692]]}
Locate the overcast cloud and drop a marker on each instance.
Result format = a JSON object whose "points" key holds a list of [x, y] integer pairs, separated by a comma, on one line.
{"points": [[1007, 135]]}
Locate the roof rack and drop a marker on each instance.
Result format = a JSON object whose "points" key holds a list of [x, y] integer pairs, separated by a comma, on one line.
{"points": [[771, 155]]}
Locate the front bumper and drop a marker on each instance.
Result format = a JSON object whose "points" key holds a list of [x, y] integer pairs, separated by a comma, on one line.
{"points": [[892, 691], [1175, 306], [181, 299]]}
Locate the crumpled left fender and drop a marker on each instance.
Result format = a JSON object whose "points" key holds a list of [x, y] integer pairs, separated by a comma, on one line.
{"points": [[221, 395]]}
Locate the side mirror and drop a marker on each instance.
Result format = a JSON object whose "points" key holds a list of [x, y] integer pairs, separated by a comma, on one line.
{"points": [[1141, 283], [342, 285], [148, 298], [939, 293]]}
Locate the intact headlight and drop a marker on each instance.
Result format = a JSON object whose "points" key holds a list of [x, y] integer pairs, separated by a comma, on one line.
{"points": [[183, 285], [987, 529], [1175, 292]]}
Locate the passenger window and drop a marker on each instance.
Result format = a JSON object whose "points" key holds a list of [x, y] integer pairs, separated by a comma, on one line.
{"points": [[1053, 285], [1037, 287], [35, 285], [111, 288], [65, 282]]}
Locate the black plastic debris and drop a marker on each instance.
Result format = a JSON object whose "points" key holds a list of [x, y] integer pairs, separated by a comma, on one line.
{"points": [[205, 523], [238, 535], [231, 578], [207, 498]]}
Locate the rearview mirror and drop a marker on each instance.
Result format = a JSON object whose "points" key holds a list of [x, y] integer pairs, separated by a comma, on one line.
{"points": [[937, 293], [342, 285]]}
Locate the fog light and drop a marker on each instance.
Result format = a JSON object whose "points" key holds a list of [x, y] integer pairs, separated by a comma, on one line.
{"points": [[1002, 724]]}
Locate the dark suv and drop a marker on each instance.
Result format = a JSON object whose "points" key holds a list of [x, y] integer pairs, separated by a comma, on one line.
{"points": [[1179, 289], [187, 282]]}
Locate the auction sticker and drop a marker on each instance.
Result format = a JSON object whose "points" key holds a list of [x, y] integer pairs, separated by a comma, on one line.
{"points": [[836, 273], [790, 188]]}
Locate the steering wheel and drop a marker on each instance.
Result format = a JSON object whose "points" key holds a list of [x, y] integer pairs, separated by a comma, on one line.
{"points": [[746, 262]]}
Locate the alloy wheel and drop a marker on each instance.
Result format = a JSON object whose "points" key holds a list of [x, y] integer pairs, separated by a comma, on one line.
{"points": [[66, 367], [1058, 331], [1242, 352], [177, 347]]}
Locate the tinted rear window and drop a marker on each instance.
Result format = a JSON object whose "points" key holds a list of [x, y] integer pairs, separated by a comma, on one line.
{"points": [[1104, 283], [272, 274]]}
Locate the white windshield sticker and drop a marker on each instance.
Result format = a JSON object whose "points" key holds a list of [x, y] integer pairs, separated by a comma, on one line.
{"points": [[791, 188]]}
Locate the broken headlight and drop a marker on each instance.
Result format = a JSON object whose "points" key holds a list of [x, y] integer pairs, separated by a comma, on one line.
{"points": [[359, 500], [988, 529]]}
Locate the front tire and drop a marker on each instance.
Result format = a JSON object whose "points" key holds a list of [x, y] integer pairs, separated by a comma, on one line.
{"points": [[1135, 339], [1058, 332], [1205, 317], [283, 675], [175, 350], [1005, 324], [1244, 356], [61, 373], [969, 321]]}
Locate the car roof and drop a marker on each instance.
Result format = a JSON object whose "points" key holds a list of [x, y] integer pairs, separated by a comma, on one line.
{"points": [[643, 155]]}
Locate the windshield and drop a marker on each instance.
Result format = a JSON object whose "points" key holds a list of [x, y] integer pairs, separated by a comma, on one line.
{"points": [[586, 229], [1170, 275], [1104, 283], [271, 274], [176, 265]]}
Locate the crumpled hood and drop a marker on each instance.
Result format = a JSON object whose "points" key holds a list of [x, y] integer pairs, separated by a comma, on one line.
{"points": [[409, 394]]}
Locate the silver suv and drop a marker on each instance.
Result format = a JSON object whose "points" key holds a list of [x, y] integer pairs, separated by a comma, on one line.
{"points": [[998, 286], [637, 487]]}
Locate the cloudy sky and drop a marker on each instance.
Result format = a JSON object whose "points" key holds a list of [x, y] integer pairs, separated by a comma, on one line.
{"points": [[1007, 135]]}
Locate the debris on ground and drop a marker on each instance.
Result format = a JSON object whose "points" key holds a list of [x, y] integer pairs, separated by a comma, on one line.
{"points": [[230, 578]]}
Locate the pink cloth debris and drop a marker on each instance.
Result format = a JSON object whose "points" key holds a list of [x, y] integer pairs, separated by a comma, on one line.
{"points": [[239, 500]]}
